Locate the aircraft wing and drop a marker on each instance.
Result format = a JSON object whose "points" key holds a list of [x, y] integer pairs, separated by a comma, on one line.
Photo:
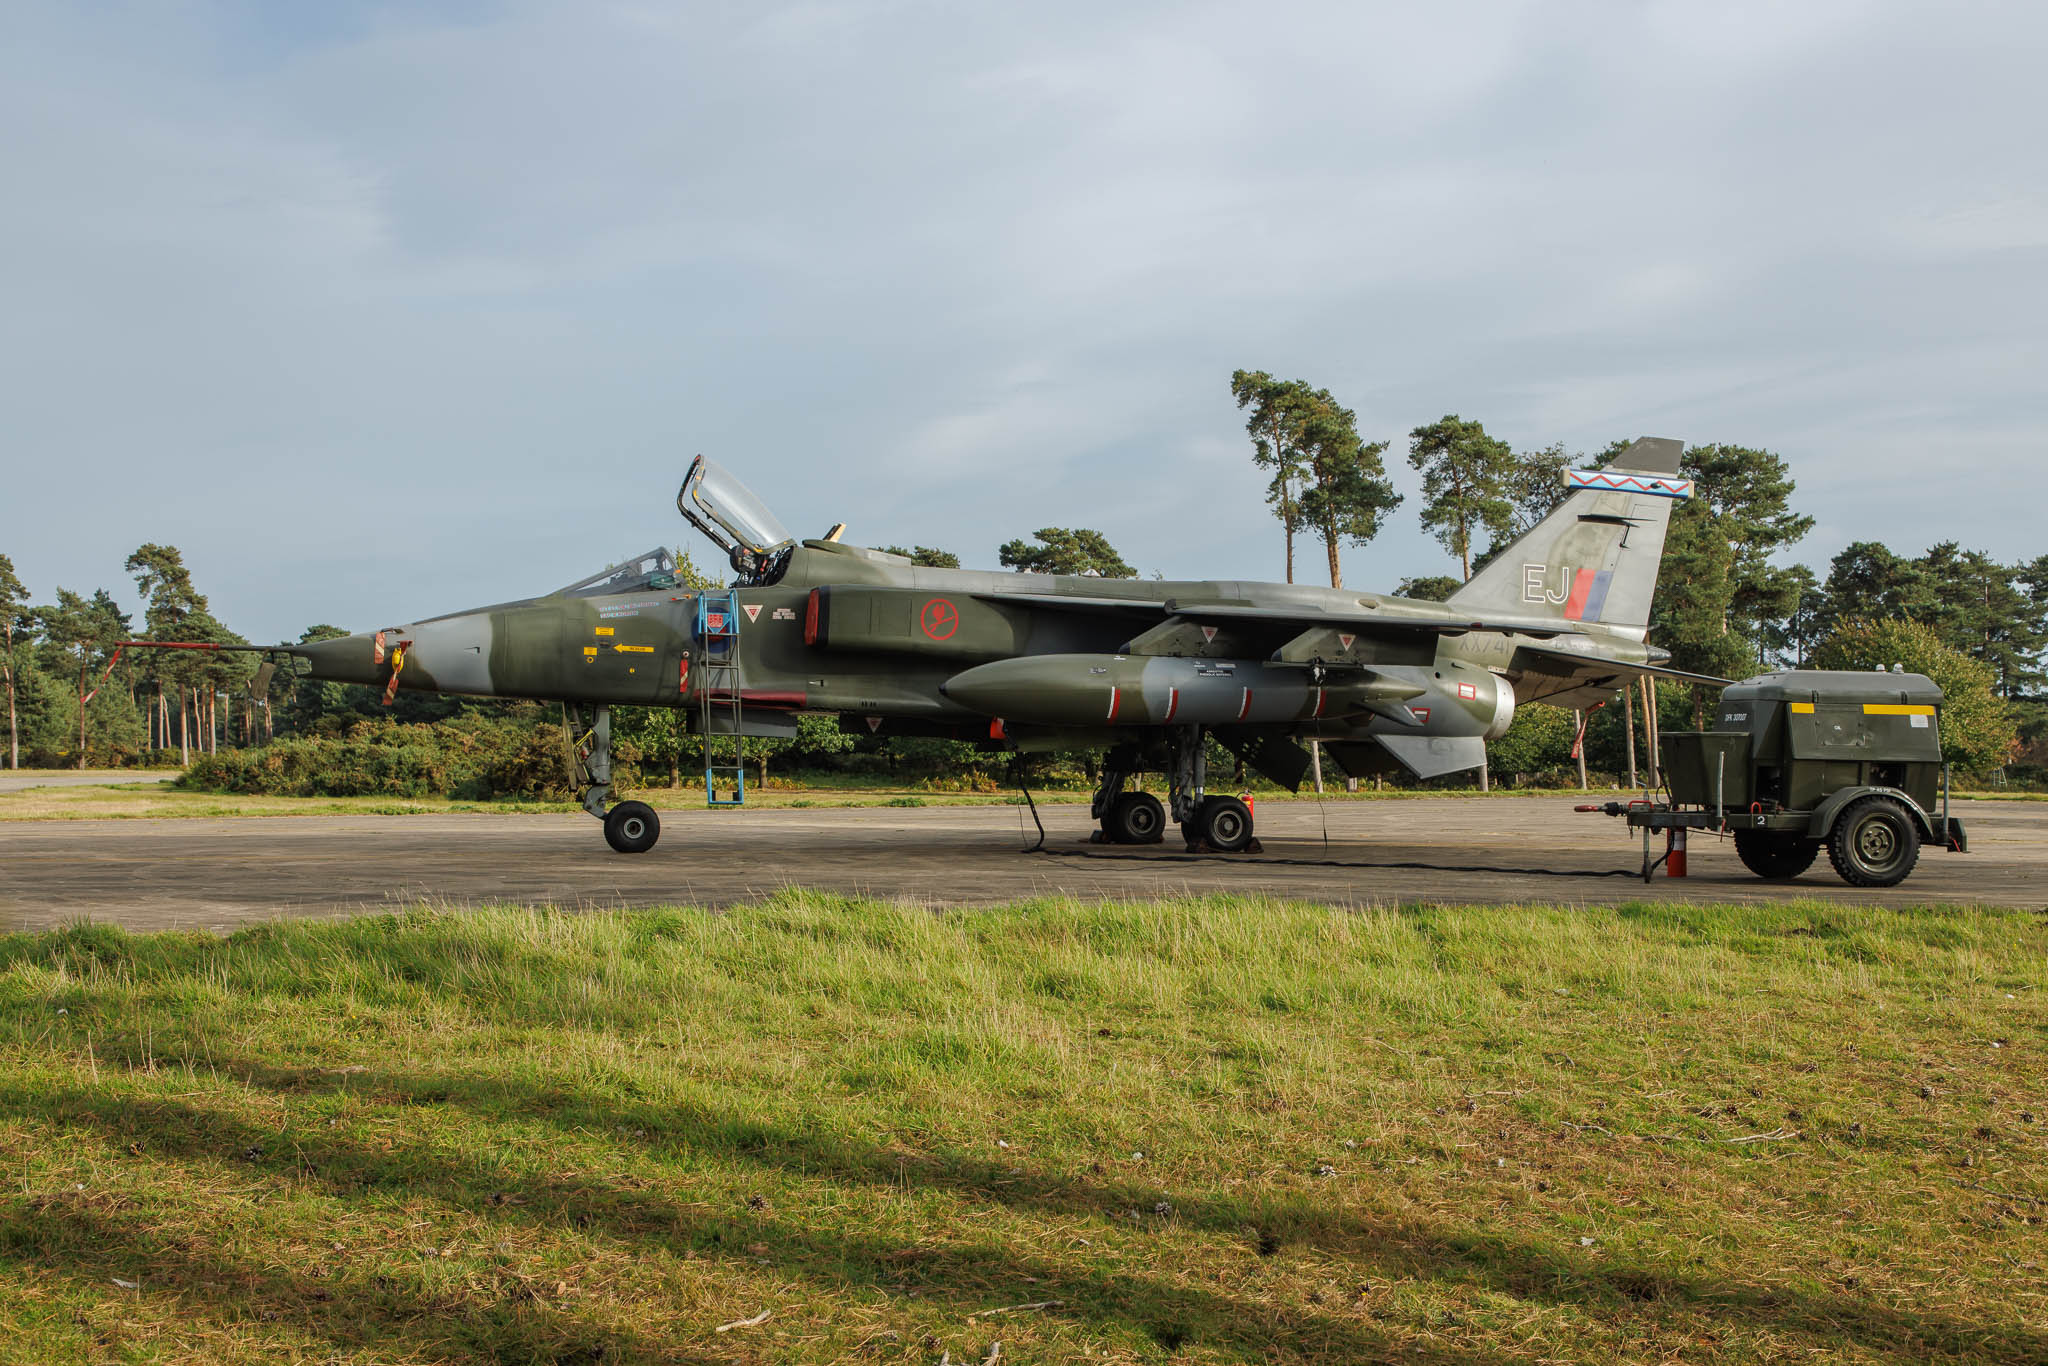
{"points": [[1064, 602], [1367, 622], [1372, 623]]}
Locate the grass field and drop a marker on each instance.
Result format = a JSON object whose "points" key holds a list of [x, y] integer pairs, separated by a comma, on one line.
{"points": [[1202, 1131]]}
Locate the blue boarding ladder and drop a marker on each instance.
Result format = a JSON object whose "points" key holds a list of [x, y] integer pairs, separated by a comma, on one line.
{"points": [[718, 694]]}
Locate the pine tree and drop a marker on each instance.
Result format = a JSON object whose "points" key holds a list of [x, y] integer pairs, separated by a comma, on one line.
{"points": [[13, 621], [1346, 494], [1277, 412], [1465, 476], [924, 556], [1065, 551]]}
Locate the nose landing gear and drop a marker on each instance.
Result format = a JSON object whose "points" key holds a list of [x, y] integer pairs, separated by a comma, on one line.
{"points": [[632, 827], [629, 827]]}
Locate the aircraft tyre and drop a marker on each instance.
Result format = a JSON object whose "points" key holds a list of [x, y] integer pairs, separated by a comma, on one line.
{"points": [[1774, 856], [1223, 823], [1135, 818], [632, 827], [1874, 843]]}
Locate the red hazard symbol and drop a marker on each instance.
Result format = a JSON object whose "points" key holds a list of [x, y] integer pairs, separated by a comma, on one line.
{"points": [[941, 619]]}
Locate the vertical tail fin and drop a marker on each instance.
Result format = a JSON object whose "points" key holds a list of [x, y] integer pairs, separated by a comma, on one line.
{"points": [[1594, 558]]}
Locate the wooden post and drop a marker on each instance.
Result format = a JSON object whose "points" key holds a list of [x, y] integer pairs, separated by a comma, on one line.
{"points": [[1650, 729], [1315, 762], [1628, 695], [1581, 748]]}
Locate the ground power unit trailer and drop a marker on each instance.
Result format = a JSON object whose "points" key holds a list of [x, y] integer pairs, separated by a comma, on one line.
{"points": [[1803, 760]]}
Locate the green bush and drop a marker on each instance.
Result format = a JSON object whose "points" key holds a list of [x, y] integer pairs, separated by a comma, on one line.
{"points": [[472, 757]]}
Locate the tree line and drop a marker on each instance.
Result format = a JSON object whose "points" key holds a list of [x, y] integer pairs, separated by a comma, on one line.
{"points": [[74, 696], [1726, 603], [1730, 601]]}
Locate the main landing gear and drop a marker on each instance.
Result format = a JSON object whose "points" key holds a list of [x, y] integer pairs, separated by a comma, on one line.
{"points": [[629, 827], [1209, 824]]}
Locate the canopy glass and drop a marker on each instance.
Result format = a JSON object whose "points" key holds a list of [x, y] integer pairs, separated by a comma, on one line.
{"points": [[724, 509], [650, 570]]}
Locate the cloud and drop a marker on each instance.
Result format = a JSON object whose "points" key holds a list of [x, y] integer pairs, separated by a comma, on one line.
{"points": [[388, 309]]}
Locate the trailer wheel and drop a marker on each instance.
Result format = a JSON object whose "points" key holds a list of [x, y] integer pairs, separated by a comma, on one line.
{"points": [[1874, 843], [1774, 856]]}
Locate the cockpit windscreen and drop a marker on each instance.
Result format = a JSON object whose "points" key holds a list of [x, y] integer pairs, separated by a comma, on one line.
{"points": [[650, 571]]}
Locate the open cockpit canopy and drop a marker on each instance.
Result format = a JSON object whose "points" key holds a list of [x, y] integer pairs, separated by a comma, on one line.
{"points": [[650, 570], [727, 511]]}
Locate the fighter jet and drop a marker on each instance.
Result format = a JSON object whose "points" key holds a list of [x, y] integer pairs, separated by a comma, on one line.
{"points": [[1145, 671]]}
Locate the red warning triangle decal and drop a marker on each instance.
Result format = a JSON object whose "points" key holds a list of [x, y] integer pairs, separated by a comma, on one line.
{"points": [[874, 722], [1208, 634], [1345, 641], [752, 609]]}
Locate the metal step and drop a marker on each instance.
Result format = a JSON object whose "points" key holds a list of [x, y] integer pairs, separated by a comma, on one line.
{"points": [[718, 679]]}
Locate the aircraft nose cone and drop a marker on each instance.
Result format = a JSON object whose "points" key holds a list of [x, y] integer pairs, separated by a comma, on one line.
{"points": [[446, 654], [345, 659]]}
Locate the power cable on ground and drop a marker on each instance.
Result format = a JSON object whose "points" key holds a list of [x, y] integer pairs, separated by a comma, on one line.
{"points": [[1261, 860]]}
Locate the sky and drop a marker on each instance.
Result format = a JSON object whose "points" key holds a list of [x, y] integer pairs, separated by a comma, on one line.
{"points": [[378, 311]]}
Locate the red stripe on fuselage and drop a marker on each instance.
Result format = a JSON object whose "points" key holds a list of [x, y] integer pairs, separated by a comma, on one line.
{"points": [[1582, 584], [1116, 696]]}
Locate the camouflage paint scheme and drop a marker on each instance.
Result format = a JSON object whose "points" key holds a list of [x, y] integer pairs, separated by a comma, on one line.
{"points": [[1042, 661]]}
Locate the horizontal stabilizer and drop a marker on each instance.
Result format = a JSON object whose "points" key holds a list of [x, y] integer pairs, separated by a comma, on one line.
{"points": [[1600, 664], [1432, 756]]}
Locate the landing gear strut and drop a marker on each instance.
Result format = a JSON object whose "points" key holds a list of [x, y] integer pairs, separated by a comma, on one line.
{"points": [[1126, 817], [1209, 824], [629, 827]]}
